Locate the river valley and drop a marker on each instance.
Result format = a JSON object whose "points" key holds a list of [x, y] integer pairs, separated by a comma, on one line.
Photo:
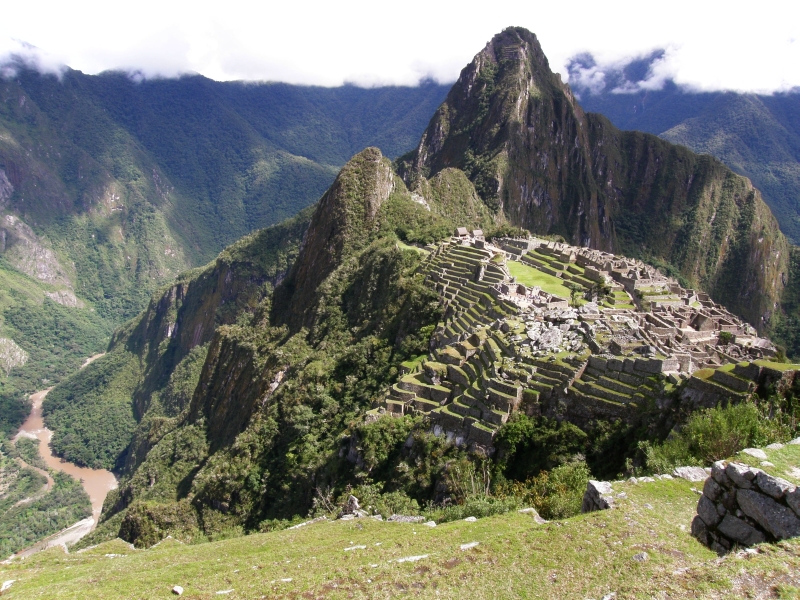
{"points": [[96, 482]]}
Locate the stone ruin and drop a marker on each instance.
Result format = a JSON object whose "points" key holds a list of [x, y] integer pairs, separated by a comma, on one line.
{"points": [[739, 506], [743, 506], [504, 347]]}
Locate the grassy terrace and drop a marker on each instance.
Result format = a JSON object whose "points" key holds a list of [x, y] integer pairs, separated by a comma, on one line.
{"points": [[587, 556], [531, 277], [404, 246]]}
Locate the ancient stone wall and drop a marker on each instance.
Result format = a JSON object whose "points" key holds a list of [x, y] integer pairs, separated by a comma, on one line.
{"points": [[743, 505]]}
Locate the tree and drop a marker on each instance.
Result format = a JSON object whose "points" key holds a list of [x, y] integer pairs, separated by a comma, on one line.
{"points": [[574, 293]]}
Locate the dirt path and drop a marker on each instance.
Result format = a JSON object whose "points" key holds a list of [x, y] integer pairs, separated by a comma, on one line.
{"points": [[91, 359], [65, 537]]}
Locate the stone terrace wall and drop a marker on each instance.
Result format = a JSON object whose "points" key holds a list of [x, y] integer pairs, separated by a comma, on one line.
{"points": [[742, 505]]}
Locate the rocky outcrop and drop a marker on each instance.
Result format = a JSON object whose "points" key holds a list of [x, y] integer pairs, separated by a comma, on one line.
{"points": [[27, 253], [65, 298], [522, 138], [343, 221], [598, 496], [743, 505], [11, 355]]}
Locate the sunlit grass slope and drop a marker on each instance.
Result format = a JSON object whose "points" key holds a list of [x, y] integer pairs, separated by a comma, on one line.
{"points": [[588, 556]]}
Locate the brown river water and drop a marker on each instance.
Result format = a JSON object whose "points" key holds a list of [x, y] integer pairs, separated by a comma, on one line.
{"points": [[96, 482]]}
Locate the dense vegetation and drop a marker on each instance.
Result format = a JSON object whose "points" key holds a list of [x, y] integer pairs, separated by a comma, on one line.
{"points": [[755, 135], [56, 339], [126, 184], [28, 514]]}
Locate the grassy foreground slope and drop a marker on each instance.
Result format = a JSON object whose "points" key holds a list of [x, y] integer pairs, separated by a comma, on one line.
{"points": [[588, 556]]}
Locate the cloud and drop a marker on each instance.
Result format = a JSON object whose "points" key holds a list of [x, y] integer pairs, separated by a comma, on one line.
{"points": [[707, 45], [627, 76], [15, 54]]}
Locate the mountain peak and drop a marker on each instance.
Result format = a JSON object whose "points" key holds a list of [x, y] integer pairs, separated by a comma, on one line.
{"points": [[343, 220]]}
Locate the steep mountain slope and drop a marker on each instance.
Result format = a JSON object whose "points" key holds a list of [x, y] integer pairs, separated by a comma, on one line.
{"points": [[260, 394], [757, 136], [110, 187], [255, 403], [534, 154]]}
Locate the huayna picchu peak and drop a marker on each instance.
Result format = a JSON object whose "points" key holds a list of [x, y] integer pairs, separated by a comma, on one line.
{"points": [[527, 303], [544, 164]]}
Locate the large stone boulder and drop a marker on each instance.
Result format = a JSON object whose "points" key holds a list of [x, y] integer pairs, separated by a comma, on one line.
{"points": [[598, 496]]}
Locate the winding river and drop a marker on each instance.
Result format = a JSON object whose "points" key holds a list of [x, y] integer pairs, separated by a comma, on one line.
{"points": [[96, 482]]}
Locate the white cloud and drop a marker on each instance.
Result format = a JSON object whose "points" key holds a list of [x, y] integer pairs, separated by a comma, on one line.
{"points": [[711, 44]]}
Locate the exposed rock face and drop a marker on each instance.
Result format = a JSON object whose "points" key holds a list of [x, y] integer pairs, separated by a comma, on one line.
{"points": [[11, 355], [745, 506], [343, 221], [531, 151], [27, 253], [6, 189], [65, 298]]}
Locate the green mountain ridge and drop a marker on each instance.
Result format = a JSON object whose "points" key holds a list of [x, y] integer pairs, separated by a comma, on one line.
{"points": [[224, 411], [110, 188], [757, 136], [277, 413]]}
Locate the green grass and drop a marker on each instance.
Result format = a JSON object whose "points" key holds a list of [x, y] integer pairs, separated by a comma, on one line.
{"points": [[404, 246], [777, 366], [785, 460], [587, 556], [533, 277]]}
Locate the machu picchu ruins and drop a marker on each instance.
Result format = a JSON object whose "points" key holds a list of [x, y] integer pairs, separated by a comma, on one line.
{"points": [[544, 327]]}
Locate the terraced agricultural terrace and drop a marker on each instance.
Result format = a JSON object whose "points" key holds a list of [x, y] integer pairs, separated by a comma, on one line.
{"points": [[623, 337]]}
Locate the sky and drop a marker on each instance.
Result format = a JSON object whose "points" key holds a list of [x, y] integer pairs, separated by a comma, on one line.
{"points": [[709, 45]]}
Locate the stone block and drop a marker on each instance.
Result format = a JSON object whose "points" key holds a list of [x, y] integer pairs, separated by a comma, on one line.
{"points": [[773, 486], [614, 364], [793, 500], [598, 363], [755, 453], [712, 490], [740, 532], [779, 520], [691, 473], [718, 473], [598, 496], [741, 475], [651, 367], [699, 530], [708, 512]]}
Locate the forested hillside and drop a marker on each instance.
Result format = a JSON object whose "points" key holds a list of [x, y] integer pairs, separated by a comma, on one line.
{"points": [[757, 136], [110, 187]]}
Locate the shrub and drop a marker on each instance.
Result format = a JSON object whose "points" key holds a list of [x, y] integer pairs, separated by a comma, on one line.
{"points": [[478, 507], [555, 494], [714, 434], [529, 445]]}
